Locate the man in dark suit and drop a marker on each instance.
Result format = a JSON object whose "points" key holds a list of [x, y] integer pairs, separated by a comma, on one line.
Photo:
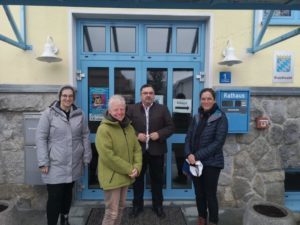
{"points": [[153, 125]]}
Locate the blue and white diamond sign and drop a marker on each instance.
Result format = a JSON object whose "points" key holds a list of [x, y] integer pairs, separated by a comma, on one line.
{"points": [[283, 67]]}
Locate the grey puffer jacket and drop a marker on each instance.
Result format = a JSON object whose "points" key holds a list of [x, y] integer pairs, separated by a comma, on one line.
{"points": [[62, 145]]}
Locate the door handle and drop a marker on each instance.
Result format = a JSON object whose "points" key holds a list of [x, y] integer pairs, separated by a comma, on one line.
{"points": [[79, 75]]}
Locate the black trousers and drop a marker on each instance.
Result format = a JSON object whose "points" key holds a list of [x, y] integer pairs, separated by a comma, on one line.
{"points": [[59, 201], [206, 193], [156, 169]]}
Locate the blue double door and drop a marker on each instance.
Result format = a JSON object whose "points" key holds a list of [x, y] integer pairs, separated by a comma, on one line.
{"points": [[176, 84]]}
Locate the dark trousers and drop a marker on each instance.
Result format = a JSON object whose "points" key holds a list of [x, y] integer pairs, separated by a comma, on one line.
{"points": [[156, 169], [59, 201], [179, 164], [206, 193]]}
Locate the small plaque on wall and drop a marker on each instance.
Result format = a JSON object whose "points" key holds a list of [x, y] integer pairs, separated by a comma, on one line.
{"points": [[225, 77]]}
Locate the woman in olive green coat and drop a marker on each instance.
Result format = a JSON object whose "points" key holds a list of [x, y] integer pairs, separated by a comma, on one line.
{"points": [[120, 159]]}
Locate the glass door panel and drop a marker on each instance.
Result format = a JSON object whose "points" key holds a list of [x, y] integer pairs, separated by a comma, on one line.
{"points": [[98, 83], [101, 81], [94, 39], [93, 182], [179, 180], [175, 86], [125, 83], [182, 114], [98, 93], [159, 39], [98, 86], [187, 40], [122, 39], [158, 77]]}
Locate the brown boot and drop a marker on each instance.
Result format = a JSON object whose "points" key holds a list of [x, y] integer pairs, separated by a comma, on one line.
{"points": [[201, 221]]}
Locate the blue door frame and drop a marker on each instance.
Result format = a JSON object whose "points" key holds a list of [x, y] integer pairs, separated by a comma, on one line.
{"points": [[140, 62]]}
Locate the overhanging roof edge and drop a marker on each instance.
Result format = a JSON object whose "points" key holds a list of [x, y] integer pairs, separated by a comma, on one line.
{"points": [[167, 4]]}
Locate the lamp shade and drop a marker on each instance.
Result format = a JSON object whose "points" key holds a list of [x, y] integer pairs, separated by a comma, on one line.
{"points": [[229, 57], [50, 51]]}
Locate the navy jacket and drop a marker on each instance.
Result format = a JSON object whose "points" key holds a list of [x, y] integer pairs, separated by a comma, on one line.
{"points": [[212, 139]]}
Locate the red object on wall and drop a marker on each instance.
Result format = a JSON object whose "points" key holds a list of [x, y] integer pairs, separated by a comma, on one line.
{"points": [[262, 122]]}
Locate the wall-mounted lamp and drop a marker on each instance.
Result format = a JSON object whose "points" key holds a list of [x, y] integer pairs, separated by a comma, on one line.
{"points": [[50, 51], [229, 56]]}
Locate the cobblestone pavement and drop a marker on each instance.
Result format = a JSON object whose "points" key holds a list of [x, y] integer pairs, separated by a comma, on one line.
{"points": [[80, 212]]}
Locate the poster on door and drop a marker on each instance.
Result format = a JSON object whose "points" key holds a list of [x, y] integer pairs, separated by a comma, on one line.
{"points": [[98, 99]]}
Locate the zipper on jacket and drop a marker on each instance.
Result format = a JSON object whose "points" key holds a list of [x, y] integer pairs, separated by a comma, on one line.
{"points": [[127, 144], [112, 177]]}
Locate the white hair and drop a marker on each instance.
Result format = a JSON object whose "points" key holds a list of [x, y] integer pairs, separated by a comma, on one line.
{"points": [[116, 98]]}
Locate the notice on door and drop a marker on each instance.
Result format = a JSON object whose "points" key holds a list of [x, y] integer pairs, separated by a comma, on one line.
{"points": [[98, 99], [182, 105]]}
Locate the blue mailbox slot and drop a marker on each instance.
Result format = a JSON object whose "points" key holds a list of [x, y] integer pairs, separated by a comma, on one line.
{"points": [[236, 105]]}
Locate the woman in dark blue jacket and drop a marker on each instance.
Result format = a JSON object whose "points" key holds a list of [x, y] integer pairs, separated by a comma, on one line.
{"points": [[204, 142]]}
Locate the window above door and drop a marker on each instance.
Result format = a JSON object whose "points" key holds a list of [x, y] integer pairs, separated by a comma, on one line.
{"points": [[146, 39]]}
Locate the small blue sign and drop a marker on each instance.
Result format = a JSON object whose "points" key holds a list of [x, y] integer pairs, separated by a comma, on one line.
{"points": [[225, 77]]}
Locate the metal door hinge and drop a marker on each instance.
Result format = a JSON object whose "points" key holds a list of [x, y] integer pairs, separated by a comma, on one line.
{"points": [[79, 75], [201, 76]]}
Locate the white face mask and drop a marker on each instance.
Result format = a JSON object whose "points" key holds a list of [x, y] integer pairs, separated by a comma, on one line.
{"points": [[196, 170]]}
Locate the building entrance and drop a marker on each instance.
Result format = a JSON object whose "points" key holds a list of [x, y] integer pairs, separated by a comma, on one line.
{"points": [[171, 68]]}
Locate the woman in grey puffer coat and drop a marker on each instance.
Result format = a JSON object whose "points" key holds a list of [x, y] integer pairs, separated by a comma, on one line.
{"points": [[63, 147]]}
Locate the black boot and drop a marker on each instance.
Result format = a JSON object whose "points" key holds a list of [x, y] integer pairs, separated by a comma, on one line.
{"points": [[64, 219]]}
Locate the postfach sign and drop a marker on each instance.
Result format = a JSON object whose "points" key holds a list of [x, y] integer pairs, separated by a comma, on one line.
{"points": [[236, 105]]}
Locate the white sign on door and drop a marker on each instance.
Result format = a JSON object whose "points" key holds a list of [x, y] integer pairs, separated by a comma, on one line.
{"points": [[182, 105]]}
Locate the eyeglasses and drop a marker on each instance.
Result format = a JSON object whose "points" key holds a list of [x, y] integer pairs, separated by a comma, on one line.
{"points": [[148, 93], [207, 99], [67, 96]]}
